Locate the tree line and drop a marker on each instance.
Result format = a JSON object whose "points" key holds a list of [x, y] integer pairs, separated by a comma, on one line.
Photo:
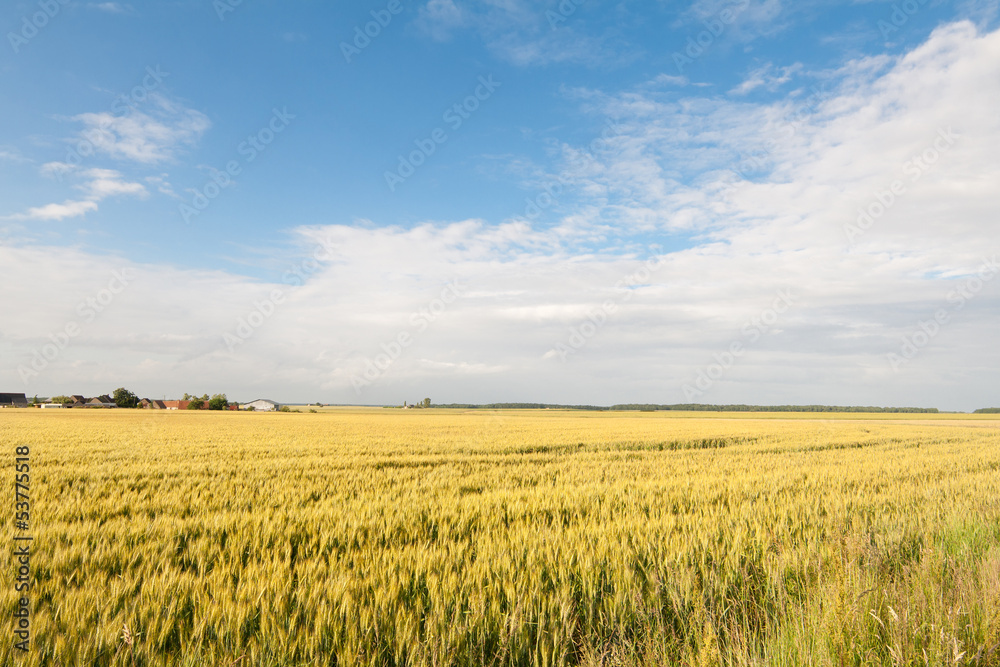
{"points": [[685, 407]]}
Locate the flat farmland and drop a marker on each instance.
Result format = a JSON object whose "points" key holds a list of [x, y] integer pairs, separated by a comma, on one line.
{"points": [[450, 537]]}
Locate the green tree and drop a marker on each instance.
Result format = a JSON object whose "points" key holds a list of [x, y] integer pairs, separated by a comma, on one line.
{"points": [[123, 398], [187, 397], [218, 402], [427, 402], [196, 404], [62, 399]]}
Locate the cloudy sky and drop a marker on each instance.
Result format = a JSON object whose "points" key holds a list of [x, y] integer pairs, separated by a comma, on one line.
{"points": [[717, 201]]}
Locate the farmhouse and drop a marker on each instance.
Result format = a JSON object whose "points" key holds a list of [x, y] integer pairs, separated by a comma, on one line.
{"points": [[13, 401], [100, 402], [179, 405], [261, 405]]}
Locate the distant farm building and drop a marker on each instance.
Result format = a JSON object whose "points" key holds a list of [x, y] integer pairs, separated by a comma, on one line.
{"points": [[179, 405], [13, 401], [104, 401], [261, 405]]}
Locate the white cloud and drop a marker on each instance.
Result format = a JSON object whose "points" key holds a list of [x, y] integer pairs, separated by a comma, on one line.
{"points": [[99, 185], [112, 7], [439, 18], [104, 183], [749, 20], [566, 45], [152, 135], [669, 80], [67, 209], [463, 368], [162, 185], [56, 169], [520, 295], [148, 137], [8, 154], [521, 32], [817, 154], [768, 77]]}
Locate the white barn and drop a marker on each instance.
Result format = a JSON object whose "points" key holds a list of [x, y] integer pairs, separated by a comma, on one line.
{"points": [[261, 405]]}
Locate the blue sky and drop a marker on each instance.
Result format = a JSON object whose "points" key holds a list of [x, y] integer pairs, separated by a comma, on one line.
{"points": [[591, 139]]}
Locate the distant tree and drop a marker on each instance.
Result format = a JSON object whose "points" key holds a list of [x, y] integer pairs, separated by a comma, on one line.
{"points": [[188, 397], [427, 402], [218, 402], [62, 399], [123, 398], [35, 400], [251, 408], [205, 397], [196, 404], [285, 408]]}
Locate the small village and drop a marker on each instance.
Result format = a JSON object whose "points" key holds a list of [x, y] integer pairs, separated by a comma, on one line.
{"points": [[78, 401]]}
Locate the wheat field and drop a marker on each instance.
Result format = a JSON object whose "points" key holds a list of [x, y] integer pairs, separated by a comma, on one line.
{"points": [[448, 537]]}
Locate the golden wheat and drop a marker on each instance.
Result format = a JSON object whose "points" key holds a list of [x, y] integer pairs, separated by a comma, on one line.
{"points": [[433, 537]]}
